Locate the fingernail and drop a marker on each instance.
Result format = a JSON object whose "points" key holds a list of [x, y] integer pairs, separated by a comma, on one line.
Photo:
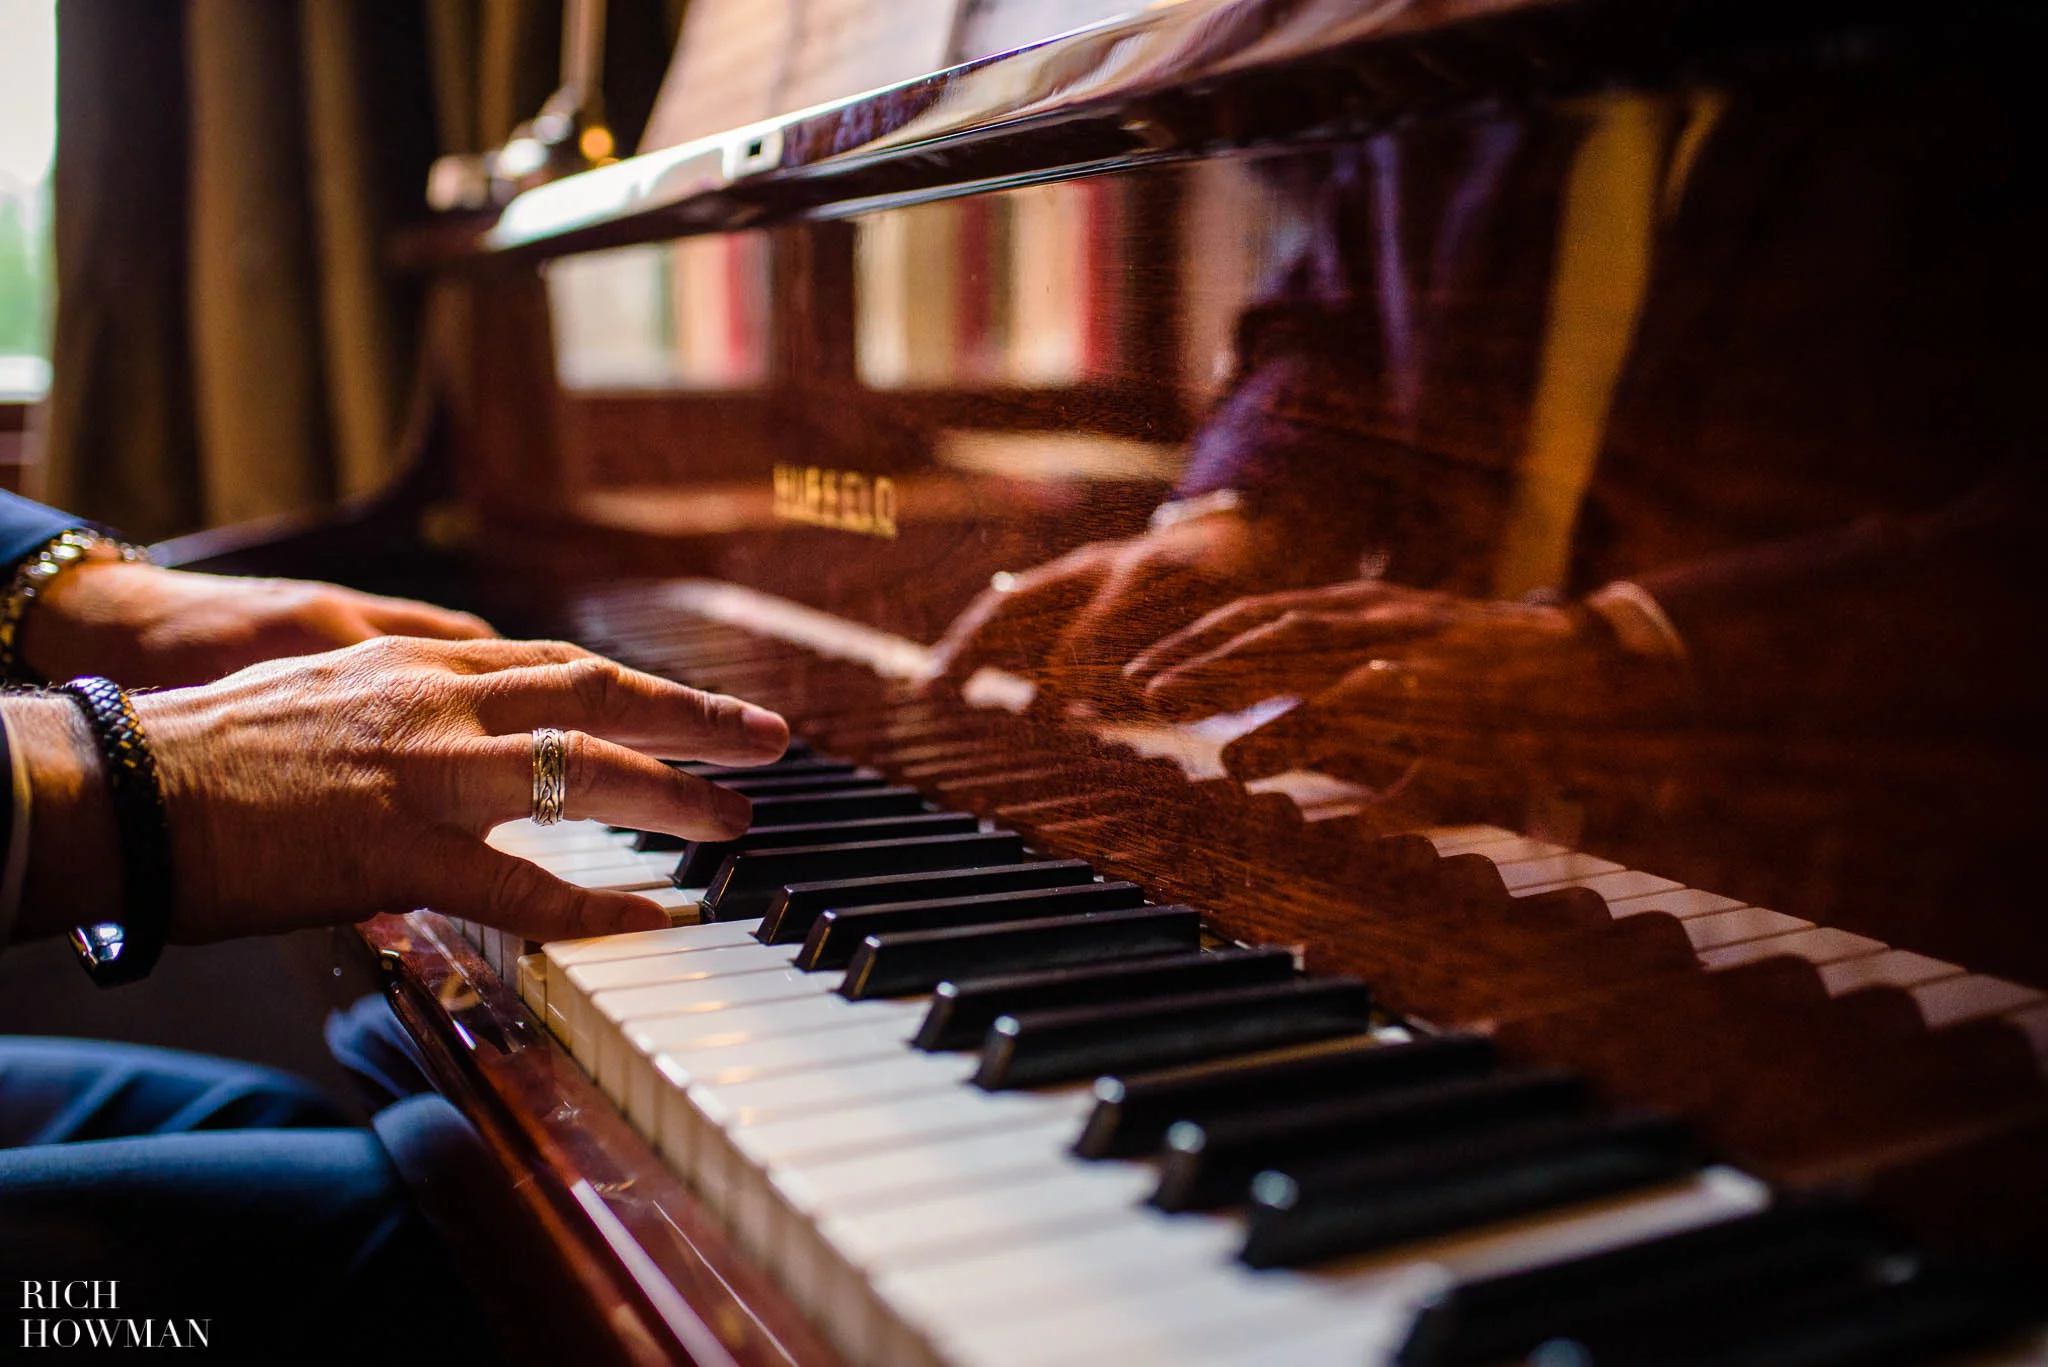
{"points": [[765, 730], [733, 810]]}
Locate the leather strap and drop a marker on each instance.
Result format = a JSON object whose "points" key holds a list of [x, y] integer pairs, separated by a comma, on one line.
{"points": [[115, 952]]}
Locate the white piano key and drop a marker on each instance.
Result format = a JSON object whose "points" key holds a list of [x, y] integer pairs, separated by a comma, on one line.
{"points": [[904, 1073], [731, 1061], [1679, 902], [578, 972], [1516, 849], [684, 905], [1732, 927], [864, 1062], [736, 1155], [846, 1183], [1820, 945], [633, 876], [1951, 1001], [524, 837], [1003, 1281], [605, 975], [1305, 1302], [533, 983], [662, 1063], [860, 1243], [639, 943], [614, 1053], [560, 862], [1557, 868], [1619, 885], [606, 1014], [1222, 1308], [566, 954], [767, 1146], [1458, 839], [1892, 968]]}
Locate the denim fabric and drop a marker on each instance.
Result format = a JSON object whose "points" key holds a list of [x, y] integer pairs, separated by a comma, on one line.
{"points": [[226, 1192]]}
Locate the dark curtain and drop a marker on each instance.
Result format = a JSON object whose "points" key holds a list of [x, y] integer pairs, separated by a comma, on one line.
{"points": [[231, 341]]}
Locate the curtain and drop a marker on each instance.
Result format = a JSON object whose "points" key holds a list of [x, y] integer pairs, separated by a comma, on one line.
{"points": [[231, 341]]}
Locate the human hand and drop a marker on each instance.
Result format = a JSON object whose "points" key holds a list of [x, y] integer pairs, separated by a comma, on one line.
{"points": [[146, 627], [1071, 623], [333, 787], [1503, 687], [1298, 643]]}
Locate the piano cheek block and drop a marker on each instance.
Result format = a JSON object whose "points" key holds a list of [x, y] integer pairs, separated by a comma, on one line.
{"points": [[914, 962]]}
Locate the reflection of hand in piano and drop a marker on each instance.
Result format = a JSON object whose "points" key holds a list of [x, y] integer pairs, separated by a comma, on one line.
{"points": [[1483, 684], [1071, 623]]}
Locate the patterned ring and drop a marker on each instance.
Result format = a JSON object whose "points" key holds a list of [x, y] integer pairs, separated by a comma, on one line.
{"points": [[550, 775]]}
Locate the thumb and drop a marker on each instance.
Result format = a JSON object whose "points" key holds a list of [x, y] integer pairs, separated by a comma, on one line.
{"points": [[479, 883]]}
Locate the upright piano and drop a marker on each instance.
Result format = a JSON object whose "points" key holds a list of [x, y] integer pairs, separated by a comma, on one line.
{"points": [[1415, 633]]}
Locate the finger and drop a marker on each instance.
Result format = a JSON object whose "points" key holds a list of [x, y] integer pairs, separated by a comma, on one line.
{"points": [[321, 627], [478, 883], [602, 782], [1206, 634], [607, 699], [485, 655], [1010, 628], [1300, 653], [1366, 712], [1136, 598], [403, 617], [1212, 630]]}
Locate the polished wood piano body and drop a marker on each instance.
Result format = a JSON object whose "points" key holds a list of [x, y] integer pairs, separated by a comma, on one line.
{"points": [[1498, 302]]}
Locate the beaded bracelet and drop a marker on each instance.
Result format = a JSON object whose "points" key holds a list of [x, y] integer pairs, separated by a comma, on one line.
{"points": [[33, 576], [115, 952]]}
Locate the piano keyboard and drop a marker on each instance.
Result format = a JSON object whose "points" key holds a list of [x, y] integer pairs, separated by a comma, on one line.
{"points": [[973, 1103]]}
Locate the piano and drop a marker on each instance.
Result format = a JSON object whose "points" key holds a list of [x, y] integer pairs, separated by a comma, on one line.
{"points": [[1691, 1008]]}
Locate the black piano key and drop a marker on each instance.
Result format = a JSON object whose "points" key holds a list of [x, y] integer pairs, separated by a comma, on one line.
{"points": [[789, 916], [797, 809], [701, 861], [1670, 1289], [1208, 1164], [1925, 1314], [1042, 1047], [962, 1012], [774, 784], [915, 961], [791, 764], [836, 934], [1132, 1114], [751, 879], [1361, 1205]]}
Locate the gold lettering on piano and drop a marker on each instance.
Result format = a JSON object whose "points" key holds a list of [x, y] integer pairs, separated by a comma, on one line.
{"points": [[846, 499]]}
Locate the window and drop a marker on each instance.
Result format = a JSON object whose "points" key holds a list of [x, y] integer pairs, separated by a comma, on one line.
{"points": [[28, 138]]}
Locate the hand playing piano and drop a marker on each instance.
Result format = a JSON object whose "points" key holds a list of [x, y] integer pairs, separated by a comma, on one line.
{"points": [[1390, 676], [148, 627], [327, 788], [1070, 624]]}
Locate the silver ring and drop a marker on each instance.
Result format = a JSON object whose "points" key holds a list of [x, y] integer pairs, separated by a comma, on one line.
{"points": [[550, 775]]}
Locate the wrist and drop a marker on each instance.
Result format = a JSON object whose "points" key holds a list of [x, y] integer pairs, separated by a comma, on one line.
{"points": [[73, 871], [78, 624]]}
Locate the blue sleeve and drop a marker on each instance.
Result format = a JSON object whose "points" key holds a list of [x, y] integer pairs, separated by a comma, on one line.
{"points": [[25, 526]]}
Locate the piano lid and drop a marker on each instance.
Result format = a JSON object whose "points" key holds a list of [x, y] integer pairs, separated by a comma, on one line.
{"points": [[1179, 80]]}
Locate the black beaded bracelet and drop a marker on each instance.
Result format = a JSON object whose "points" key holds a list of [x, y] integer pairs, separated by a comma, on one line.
{"points": [[116, 952]]}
